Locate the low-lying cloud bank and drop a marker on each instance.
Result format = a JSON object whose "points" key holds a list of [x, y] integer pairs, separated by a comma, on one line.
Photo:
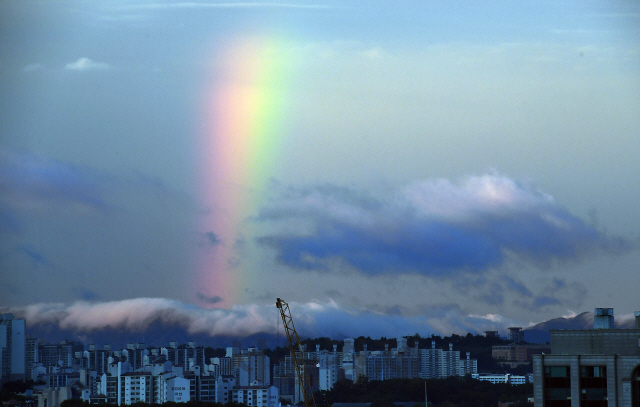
{"points": [[433, 228], [138, 314], [312, 319], [134, 317]]}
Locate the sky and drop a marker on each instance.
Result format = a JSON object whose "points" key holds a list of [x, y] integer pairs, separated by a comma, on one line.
{"points": [[386, 168]]}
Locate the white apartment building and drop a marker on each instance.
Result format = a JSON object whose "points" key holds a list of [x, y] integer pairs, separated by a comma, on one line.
{"points": [[451, 363], [256, 396], [135, 387], [468, 366], [178, 390], [329, 367]]}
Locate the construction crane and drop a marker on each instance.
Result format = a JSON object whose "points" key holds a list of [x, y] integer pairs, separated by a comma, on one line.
{"points": [[297, 353]]}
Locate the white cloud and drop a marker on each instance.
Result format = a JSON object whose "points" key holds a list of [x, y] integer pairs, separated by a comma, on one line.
{"points": [[373, 53], [32, 67], [489, 317], [86, 64], [138, 313]]}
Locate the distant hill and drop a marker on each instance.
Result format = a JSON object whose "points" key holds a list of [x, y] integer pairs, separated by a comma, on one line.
{"points": [[580, 321], [539, 333], [157, 334]]}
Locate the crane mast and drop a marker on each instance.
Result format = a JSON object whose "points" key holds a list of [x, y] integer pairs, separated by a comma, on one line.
{"points": [[297, 354]]}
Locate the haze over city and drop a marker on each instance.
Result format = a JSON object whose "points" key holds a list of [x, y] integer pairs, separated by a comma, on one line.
{"points": [[386, 168]]}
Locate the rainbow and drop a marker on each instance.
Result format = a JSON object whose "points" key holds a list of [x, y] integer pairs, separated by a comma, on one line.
{"points": [[246, 104]]}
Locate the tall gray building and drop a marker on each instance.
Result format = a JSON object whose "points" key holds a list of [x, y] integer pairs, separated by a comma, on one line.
{"points": [[12, 348], [590, 367]]}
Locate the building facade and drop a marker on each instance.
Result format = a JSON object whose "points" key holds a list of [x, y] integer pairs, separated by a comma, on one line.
{"points": [[13, 349], [591, 367], [326, 367], [266, 396]]}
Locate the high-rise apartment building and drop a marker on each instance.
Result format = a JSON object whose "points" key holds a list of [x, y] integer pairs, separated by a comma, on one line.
{"points": [[32, 356], [97, 359], [12, 348], [59, 354], [253, 367]]}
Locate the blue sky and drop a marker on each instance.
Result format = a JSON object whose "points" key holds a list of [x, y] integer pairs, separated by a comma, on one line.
{"points": [[447, 166]]}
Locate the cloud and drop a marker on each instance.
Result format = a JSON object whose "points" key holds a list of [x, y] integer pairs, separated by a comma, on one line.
{"points": [[312, 319], [85, 64], [212, 238], [31, 182], [554, 292], [139, 313], [495, 295], [373, 53], [40, 185], [37, 258], [33, 67], [84, 294], [435, 228], [545, 300], [517, 286], [209, 300]]}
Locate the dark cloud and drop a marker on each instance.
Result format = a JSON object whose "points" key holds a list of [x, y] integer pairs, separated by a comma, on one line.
{"points": [[27, 180], [84, 294], [432, 246], [495, 296], [212, 238], [434, 228], [209, 300], [517, 286], [33, 184], [555, 292], [37, 258], [545, 300], [558, 283]]}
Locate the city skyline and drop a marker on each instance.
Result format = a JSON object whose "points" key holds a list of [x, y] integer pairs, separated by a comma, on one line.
{"points": [[385, 169]]}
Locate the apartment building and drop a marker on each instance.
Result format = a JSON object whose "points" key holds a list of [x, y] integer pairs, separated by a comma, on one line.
{"points": [[12, 348]]}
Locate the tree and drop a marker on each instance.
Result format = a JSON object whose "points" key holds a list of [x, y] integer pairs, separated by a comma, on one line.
{"points": [[210, 352], [17, 386], [74, 403]]}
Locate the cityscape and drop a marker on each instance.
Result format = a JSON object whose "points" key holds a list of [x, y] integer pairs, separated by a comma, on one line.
{"points": [[598, 367]]}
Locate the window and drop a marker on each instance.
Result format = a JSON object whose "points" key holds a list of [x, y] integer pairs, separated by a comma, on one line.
{"points": [[557, 386], [593, 386]]}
